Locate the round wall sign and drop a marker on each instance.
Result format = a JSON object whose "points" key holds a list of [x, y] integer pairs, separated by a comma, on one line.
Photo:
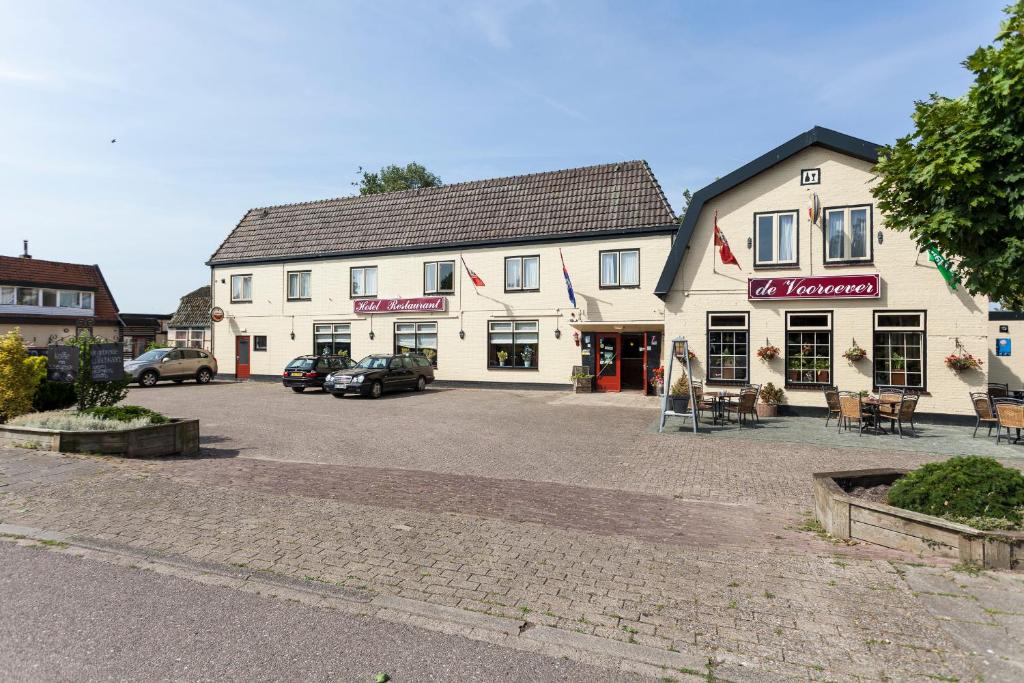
{"points": [[217, 314]]}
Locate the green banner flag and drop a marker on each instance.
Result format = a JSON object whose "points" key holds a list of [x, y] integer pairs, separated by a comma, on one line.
{"points": [[944, 265]]}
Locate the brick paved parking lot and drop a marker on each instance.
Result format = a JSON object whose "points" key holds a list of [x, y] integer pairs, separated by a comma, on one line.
{"points": [[556, 510]]}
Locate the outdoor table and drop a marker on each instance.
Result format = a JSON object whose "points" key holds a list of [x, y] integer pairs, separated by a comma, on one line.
{"points": [[873, 403], [720, 400]]}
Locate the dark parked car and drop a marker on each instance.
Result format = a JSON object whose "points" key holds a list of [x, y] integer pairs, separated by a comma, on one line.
{"points": [[374, 375], [309, 372]]}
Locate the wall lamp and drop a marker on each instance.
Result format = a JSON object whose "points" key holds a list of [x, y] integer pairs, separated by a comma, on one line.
{"points": [[881, 237], [462, 334], [371, 335], [558, 333]]}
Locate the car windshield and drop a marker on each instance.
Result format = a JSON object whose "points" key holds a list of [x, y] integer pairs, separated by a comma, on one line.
{"points": [[301, 364], [374, 362], [150, 356]]}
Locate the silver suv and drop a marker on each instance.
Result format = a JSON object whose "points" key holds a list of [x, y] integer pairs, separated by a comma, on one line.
{"points": [[173, 364]]}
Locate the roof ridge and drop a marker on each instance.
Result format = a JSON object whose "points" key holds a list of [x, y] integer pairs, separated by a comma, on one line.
{"points": [[56, 263]]}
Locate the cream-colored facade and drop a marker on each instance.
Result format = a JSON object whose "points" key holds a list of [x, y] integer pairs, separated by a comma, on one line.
{"points": [[909, 283], [1004, 369], [40, 335], [289, 326]]}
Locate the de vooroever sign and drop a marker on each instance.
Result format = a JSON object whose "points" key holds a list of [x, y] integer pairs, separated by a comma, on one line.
{"points": [[815, 287], [423, 303]]}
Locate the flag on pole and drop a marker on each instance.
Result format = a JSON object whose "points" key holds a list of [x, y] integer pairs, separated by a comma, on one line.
{"points": [[943, 264], [723, 246], [568, 281], [477, 280]]}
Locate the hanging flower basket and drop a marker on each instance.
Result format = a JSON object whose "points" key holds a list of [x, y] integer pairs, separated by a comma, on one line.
{"points": [[960, 362], [767, 353], [855, 354]]}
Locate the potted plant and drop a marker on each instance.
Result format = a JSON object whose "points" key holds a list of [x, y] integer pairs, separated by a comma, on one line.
{"points": [[502, 357], [658, 379], [898, 370], [679, 396], [583, 382], [527, 355], [768, 353], [821, 366], [430, 354], [771, 397], [794, 367], [960, 360], [855, 353]]}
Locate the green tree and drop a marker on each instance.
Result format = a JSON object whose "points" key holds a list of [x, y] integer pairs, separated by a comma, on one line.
{"points": [[392, 178], [957, 181], [19, 376]]}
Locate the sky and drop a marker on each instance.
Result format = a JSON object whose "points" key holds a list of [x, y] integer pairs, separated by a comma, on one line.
{"points": [[218, 107]]}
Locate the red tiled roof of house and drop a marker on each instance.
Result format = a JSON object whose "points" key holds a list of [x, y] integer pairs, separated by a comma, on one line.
{"points": [[39, 273]]}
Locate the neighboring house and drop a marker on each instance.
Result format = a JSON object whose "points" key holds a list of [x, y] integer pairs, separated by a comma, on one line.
{"points": [[190, 325], [384, 273], [1006, 348], [142, 329], [51, 300], [813, 285]]}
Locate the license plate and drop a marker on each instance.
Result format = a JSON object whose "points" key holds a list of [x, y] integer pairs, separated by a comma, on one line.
{"points": [[341, 386], [296, 374]]}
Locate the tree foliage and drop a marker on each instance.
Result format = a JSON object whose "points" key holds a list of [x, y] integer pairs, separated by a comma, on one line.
{"points": [[19, 376], [392, 178], [89, 392], [957, 181]]}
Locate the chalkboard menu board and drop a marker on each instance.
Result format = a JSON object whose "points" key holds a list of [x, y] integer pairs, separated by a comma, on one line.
{"points": [[61, 363], [107, 362]]}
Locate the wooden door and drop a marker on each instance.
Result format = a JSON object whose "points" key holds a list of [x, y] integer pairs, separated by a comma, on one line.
{"points": [[609, 371], [242, 357]]}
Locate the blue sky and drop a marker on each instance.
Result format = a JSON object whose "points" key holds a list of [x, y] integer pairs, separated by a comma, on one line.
{"points": [[222, 106]]}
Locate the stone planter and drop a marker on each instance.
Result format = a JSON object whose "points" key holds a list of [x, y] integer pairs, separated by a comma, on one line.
{"points": [[846, 516], [177, 437], [766, 409]]}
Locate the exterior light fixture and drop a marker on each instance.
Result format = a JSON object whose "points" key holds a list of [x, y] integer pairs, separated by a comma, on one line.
{"points": [[293, 335], [371, 335], [880, 237], [750, 243], [462, 334], [558, 333]]}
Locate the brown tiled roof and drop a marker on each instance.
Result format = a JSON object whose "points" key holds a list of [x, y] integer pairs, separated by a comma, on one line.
{"points": [[611, 197], [32, 271], [194, 309]]}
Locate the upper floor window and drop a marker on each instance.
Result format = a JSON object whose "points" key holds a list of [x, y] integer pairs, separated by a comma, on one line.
{"points": [[775, 238], [620, 268], [50, 298], [522, 273], [241, 288], [848, 234], [439, 277], [300, 285], [364, 281]]}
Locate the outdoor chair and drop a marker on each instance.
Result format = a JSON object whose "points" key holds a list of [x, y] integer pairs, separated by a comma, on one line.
{"points": [[832, 404], [888, 410], [902, 413], [851, 408], [998, 390], [745, 405], [1010, 413], [983, 412]]}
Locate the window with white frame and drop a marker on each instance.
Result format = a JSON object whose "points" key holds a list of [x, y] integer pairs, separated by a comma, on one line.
{"points": [[522, 273], [188, 337], [363, 282], [513, 344], [241, 288], [332, 339], [620, 268], [848, 234], [417, 338], [728, 347], [28, 296], [8, 296], [808, 348], [899, 354], [439, 277], [775, 238], [300, 285], [11, 295]]}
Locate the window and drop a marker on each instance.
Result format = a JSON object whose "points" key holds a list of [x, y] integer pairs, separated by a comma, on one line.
{"points": [[417, 338], [512, 344], [8, 295], [848, 234], [87, 300], [259, 342], [775, 238], [899, 349], [439, 277], [50, 297], [364, 282], [808, 348], [28, 296], [522, 274], [728, 347], [241, 288], [332, 339], [299, 288], [620, 268], [69, 300], [186, 337]]}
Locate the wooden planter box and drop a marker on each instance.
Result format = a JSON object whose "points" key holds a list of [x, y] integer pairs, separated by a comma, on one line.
{"points": [[177, 437], [846, 516]]}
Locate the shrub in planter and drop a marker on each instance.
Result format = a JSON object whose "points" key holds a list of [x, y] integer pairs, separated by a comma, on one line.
{"points": [[124, 414], [962, 487], [771, 397], [53, 396], [680, 394], [89, 392]]}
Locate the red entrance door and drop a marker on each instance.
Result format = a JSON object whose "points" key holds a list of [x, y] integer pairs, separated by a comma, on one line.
{"points": [[241, 358], [609, 347]]}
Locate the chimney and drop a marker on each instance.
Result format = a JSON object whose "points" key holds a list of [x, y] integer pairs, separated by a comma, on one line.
{"points": [[26, 254]]}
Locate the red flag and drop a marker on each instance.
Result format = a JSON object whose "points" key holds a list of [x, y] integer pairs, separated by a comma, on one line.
{"points": [[723, 246], [477, 280]]}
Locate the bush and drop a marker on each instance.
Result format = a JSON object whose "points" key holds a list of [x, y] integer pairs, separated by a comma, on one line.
{"points": [[962, 487], [53, 396], [90, 393], [18, 376], [125, 414], [76, 422]]}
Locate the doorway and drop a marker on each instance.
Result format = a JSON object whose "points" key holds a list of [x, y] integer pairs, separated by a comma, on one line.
{"points": [[632, 361], [241, 357], [609, 377]]}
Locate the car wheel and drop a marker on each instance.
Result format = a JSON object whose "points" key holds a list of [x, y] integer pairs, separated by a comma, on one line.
{"points": [[421, 384], [377, 390], [204, 376], [298, 390], [148, 378]]}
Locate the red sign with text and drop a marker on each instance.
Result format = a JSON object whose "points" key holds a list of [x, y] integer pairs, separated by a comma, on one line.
{"points": [[815, 287], [421, 304]]}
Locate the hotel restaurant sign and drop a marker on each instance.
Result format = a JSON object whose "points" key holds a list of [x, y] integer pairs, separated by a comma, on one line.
{"points": [[815, 287], [418, 305]]}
